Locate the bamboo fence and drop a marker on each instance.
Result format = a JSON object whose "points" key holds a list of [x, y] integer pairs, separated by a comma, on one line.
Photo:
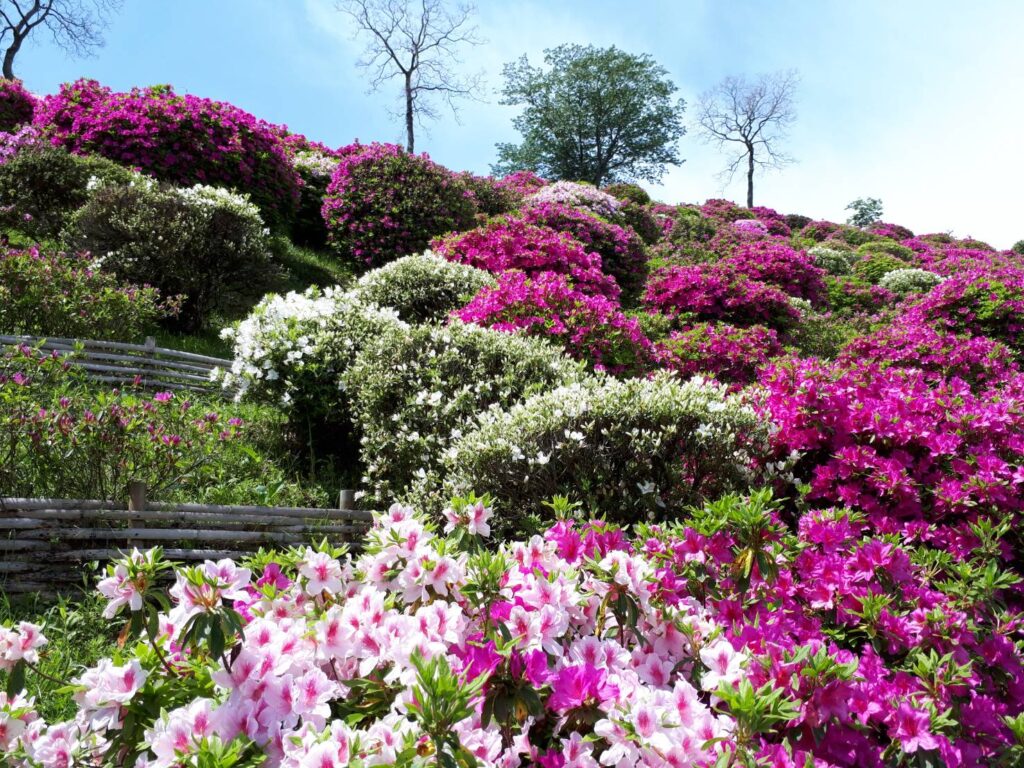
{"points": [[46, 544], [137, 365]]}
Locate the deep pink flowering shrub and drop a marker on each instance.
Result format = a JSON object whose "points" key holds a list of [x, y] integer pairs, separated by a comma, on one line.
{"points": [[898, 444], [490, 197], [16, 105], [514, 244], [909, 343], [883, 655], [819, 231], [727, 353], [622, 252], [725, 210], [774, 262], [717, 292], [895, 231], [522, 183], [590, 327], [980, 303], [182, 139], [383, 203], [773, 221]]}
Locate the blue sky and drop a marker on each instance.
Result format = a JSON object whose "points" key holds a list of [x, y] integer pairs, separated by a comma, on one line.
{"points": [[915, 102]]}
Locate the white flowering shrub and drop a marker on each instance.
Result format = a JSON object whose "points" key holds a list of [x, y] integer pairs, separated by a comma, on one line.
{"points": [[413, 391], [629, 449], [832, 260], [910, 280], [424, 287], [577, 195], [291, 351], [207, 245], [310, 162]]}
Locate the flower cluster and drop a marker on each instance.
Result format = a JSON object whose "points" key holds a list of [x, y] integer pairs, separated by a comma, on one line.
{"points": [[182, 139], [622, 252], [592, 328], [718, 292], [557, 651], [777, 264], [17, 105], [383, 203], [514, 244], [577, 195], [724, 351]]}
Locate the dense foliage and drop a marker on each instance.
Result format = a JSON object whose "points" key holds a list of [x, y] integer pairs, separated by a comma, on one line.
{"points": [[17, 105]]}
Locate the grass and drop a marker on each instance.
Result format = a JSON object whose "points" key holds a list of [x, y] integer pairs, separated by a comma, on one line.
{"points": [[306, 267], [78, 637]]}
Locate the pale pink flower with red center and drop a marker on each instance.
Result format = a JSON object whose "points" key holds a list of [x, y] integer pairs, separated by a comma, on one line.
{"points": [[723, 662], [322, 573], [23, 642]]}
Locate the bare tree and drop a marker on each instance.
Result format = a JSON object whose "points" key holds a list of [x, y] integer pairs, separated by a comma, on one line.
{"points": [[755, 116], [416, 41], [76, 25]]}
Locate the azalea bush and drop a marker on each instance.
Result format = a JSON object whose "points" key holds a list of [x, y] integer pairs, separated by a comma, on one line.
{"points": [[514, 244], [555, 651], [17, 105], [422, 288], [548, 305], [630, 450], [576, 195], [776, 264], [183, 139], [204, 244], [912, 280], [291, 352], [729, 354], [415, 390], [62, 437], [718, 292], [383, 203], [55, 294], [622, 252], [315, 168], [42, 185]]}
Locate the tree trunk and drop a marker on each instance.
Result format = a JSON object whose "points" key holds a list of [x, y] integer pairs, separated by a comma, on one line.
{"points": [[9, 54], [750, 177], [409, 139]]}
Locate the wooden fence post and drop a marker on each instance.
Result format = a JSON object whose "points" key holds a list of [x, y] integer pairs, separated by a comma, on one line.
{"points": [[347, 500]]}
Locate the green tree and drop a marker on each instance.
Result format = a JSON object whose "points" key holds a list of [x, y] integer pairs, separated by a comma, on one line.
{"points": [[593, 114], [866, 210]]}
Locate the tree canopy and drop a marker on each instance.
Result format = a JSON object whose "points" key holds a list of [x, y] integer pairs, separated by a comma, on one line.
{"points": [[592, 114]]}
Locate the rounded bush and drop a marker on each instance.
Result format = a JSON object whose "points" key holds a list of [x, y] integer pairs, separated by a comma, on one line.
{"points": [[717, 292], [796, 222], [622, 252], [491, 197], [629, 450], [725, 211], [47, 293], [893, 231], [832, 260], [185, 140], [42, 185], [17, 105], [1018, 247], [422, 288], [876, 265], [203, 244], [413, 390], [643, 222], [912, 280], [522, 183], [514, 244], [777, 264], [591, 328], [577, 195], [818, 231], [629, 193], [890, 247], [725, 352], [383, 203], [689, 226]]}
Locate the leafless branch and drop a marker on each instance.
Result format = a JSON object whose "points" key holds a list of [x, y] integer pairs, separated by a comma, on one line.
{"points": [[76, 25]]}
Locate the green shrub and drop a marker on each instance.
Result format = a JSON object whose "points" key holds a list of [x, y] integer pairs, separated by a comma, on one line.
{"points": [[48, 293], [890, 247], [1018, 247], [204, 244], [491, 197], [422, 288], [413, 390], [307, 228], [630, 450], [642, 221], [832, 260], [820, 334], [42, 185], [913, 280], [62, 436], [853, 235], [874, 266], [629, 193], [689, 225]]}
